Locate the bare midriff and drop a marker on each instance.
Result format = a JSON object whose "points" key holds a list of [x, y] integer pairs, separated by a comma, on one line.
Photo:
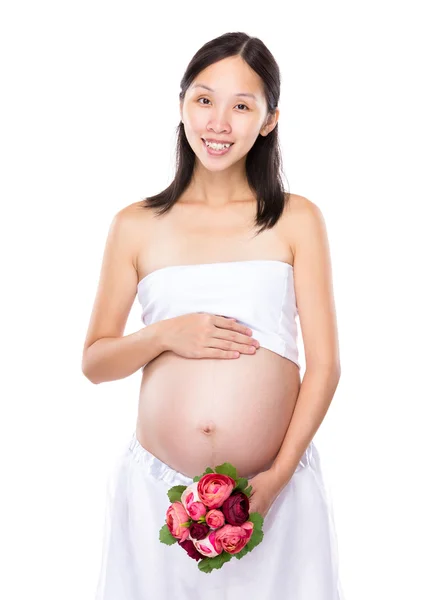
{"points": [[195, 413]]}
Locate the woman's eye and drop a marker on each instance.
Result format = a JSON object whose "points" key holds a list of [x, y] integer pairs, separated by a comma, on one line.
{"points": [[236, 104]]}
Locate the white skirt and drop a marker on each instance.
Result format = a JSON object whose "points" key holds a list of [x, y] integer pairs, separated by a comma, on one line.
{"points": [[296, 560]]}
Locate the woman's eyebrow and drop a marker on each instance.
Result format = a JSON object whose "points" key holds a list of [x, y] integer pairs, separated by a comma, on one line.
{"points": [[247, 94]]}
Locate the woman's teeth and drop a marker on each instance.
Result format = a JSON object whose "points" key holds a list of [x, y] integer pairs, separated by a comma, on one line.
{"points": [[216, 146]]}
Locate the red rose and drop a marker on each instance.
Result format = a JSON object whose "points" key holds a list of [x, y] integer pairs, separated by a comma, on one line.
{"points": [[236, 508], [191, 550], [198, 531]]}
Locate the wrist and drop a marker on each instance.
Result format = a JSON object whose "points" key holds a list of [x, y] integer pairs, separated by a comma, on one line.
{"points": [[160, 336], [278, 478]]}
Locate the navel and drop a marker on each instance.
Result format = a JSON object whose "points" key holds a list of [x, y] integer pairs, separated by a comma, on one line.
{"points": [[208, 427]]}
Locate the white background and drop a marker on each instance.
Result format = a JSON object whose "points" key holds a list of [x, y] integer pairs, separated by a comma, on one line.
{"points": [[89, 107]]}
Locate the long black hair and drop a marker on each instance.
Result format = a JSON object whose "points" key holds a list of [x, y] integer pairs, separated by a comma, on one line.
{"points": [[263, 161]]}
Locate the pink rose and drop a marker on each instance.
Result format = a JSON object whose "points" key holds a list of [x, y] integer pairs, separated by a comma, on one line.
{"points": [[208, 546], [215, 518], [233, 538], [213, 489], [197, 510], [178, 521], [190, 501], [190, 495]]}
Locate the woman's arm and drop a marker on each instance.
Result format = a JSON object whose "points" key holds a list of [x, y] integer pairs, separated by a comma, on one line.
{"points": [[108, 354], [317, 315], [109, 359]]}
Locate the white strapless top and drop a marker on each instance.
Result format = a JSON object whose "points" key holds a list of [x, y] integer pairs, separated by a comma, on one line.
{"points": [[258, 293]]}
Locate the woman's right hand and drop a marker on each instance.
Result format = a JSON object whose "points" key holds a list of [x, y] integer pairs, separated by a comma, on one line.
{"points": [[205, 335]]}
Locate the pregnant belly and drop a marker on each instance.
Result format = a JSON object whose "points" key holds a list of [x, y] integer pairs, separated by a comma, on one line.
{"points": [[195, 413]]}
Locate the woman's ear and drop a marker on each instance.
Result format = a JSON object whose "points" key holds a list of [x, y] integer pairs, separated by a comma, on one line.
{"points": [[270, 123]]}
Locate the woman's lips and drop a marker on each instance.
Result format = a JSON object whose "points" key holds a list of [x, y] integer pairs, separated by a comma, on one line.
{"points": [[213, 152]]}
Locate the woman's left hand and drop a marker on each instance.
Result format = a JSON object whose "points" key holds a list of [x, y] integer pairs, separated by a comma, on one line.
{"points": [[264, 492]]}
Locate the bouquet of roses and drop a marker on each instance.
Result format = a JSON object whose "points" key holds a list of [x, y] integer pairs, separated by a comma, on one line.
{"points": [[210, 518]]}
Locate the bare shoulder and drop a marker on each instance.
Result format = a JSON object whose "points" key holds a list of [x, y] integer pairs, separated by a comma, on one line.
{"points": [[300, 206], [117, 284], [313, 284], [304, 219], [133, 215], [130, 222]]}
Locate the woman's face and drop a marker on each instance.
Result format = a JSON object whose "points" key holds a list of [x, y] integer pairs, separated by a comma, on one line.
{"points": [[219, 113]]}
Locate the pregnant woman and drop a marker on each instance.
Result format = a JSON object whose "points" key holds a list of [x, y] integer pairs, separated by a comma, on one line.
{"points": [[222, 262]]}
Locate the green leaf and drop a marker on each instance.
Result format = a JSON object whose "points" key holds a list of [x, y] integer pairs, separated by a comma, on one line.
{"points": [[257, 520], [227, 469], [248, 491], [165, 536], [207, 564], [241, 484], [242, 552], [174, 493], [257, 534], [257, 537]]}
